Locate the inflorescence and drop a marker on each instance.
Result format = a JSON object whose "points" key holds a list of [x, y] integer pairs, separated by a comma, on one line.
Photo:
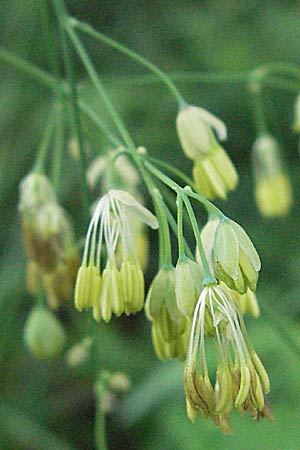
{"points": [[197, 306]]}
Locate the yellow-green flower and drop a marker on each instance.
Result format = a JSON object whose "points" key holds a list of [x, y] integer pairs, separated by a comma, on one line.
{"points": [[213, 171], [240, 380], [119, 288], [272, 191]]}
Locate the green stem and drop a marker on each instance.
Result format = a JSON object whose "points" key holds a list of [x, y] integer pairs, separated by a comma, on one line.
{"points": [[208, 277], [181, 252], [258, 108], [39, 165], [49, 38], [75, 117], [165, 245], [210, 207], [174, 170], [100, 434], [58, 146], [27, 68], [98, 85], [282, 69], [93, 116], [85, 28], [173, 226]]}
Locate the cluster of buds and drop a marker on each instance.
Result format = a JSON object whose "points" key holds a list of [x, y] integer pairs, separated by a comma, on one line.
{"points": [[49, 240], [273, 193], [119, 288], [213, 171]]}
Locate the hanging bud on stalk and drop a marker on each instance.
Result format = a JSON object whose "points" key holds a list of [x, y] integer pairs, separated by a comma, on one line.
{"points": [[213, 171], [273, 192], [44, 336], [236, 261]]}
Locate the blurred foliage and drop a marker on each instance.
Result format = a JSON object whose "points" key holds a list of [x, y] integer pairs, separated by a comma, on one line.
{"points": [[50, 406]]}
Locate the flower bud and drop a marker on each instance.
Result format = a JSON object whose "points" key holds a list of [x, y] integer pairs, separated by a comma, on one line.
{"points": [[35, 191], [194, 128], [236, 261], [43, 334], [213, 171], [188, 285], [169, 325], [273, 193]]}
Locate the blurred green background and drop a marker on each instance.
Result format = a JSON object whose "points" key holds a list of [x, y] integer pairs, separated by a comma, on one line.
{"points": [[50, 406]]}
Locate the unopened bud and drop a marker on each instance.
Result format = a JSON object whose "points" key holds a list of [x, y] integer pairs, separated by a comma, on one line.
{"points": [[43, 334]]}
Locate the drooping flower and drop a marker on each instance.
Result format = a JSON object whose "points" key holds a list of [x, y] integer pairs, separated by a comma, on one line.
{"points": [[272, 192], [170, 328], [119, 287], [240, 378], [213, 171]]}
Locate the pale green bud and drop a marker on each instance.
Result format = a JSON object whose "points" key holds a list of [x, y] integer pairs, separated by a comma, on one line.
{"points": [[170, 328], [194, 128], [43, 334], [162, 290], [273, 192], [236, 260], [35, 191], [296, 124], [188, 285]]}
